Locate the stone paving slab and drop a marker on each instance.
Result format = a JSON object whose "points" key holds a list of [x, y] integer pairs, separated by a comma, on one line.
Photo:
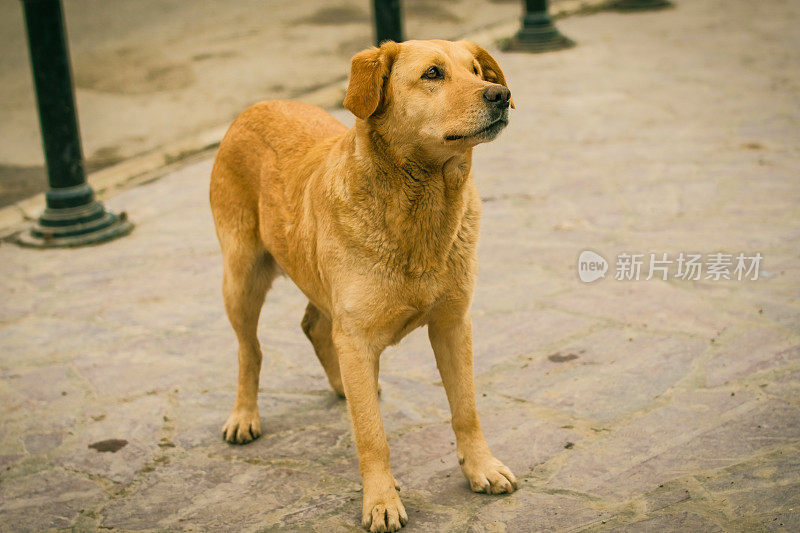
{"points": [[621, 405]]}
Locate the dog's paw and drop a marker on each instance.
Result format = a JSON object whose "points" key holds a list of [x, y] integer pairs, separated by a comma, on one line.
{"points": [[489, 475], [384, 513], [242, 426]]}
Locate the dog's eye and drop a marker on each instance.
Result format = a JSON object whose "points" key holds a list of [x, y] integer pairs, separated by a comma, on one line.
{"points": [[432, 73], [475, 69]]}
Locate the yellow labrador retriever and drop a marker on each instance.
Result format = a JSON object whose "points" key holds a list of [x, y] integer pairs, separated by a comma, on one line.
{"points": [[377, 225]]}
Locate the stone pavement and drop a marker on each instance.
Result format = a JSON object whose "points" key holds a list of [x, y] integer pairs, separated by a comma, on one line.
{"points": [[621, 405]]}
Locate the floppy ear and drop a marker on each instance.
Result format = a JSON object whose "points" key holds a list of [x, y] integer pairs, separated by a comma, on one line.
{"points": [[368, 72], [489, 67]]}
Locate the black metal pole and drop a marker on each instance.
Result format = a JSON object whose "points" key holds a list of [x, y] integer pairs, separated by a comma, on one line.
{"points": [[72, 216], [538, 34], [388, 21], [640, 5]]}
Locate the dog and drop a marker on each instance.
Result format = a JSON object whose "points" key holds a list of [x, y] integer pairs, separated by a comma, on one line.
{"points": [[377, 225]]}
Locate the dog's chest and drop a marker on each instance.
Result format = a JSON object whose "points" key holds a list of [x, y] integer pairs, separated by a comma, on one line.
{"points": [[410, 305]]}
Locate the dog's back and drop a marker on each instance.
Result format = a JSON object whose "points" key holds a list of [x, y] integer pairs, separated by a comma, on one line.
{"points": [[265, 139]]}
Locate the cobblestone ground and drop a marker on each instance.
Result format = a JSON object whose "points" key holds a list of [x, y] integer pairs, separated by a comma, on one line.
{"points": [[621, 405]]}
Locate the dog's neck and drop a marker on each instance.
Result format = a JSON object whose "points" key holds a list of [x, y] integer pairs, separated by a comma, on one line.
{"points": [[414, 203], [388, 159]]}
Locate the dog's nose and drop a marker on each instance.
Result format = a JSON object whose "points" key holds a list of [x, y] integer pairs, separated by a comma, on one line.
{"points": [[497, 94]]}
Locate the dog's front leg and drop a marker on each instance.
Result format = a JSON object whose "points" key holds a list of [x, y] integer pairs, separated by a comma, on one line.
{"points": [[382, 509], [451, 339]]}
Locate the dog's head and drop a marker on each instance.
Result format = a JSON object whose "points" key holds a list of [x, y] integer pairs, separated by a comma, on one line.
{"points": [[443, 96]]}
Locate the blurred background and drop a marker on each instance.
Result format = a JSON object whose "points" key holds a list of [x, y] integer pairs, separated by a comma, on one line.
{"points": [[150, 72]]}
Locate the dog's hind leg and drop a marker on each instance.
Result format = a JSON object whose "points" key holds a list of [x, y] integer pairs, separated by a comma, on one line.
{"points": [[317, 328], [249, 272]]}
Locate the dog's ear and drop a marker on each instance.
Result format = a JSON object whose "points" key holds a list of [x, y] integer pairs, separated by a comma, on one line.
{"points": [[490, 69], [369, 71]]}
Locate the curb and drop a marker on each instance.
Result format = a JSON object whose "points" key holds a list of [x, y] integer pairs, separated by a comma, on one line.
{"points": [[159, 162]]}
